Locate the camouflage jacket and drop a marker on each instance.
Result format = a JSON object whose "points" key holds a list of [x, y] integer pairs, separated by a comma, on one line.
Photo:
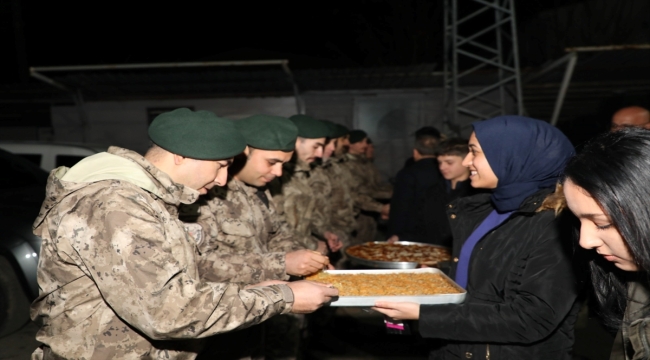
{"points": [[363, 184], [244, 239], [295, 201], [329, 182], [117, 271]]}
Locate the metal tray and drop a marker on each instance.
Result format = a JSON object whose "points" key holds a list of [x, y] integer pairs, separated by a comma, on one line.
{"points": [[389, 264], [364, 301]]}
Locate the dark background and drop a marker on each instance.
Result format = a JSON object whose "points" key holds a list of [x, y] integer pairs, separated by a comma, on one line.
{"points": [[311, 34]]}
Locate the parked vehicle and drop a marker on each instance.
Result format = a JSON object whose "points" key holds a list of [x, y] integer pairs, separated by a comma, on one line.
{"points": [[50, 155], [22, 191]]}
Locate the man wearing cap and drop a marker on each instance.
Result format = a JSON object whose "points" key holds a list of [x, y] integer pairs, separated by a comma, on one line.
{"points": [[342, 200], [293, 192], [244, 238], [329, 183], [363, 189], [117, 270]]}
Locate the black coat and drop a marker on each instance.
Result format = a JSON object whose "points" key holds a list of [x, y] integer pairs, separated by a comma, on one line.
{"points": [[522, 289], [411, 185], [433, 223]]}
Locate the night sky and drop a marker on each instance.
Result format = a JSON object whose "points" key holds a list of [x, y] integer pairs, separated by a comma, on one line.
{"points": [[310, 34]]}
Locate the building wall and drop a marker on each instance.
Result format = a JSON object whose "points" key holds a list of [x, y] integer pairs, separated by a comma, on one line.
{"points": [[390, 117], [125, 123]]}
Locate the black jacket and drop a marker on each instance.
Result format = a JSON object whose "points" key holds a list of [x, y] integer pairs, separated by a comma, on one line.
{"points": [[433, 223], [411, 184], [522, 288]]}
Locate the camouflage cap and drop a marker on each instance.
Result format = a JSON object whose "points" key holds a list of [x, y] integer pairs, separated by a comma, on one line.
{"points": [[268, 132], [335, 130], [357, 135], [196, 134], [310, 128]]}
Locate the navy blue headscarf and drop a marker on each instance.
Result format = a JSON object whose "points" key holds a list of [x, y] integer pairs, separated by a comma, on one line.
{"points": [[525, 154]]}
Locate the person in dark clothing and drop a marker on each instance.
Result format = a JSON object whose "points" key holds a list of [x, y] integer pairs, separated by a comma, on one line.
{"points": [[455, 183], [423, 131], [510, 251], [606, 188], [411, 183]]}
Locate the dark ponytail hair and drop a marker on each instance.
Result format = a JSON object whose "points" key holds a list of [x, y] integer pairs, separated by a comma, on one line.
{"points": [[614, 169]]}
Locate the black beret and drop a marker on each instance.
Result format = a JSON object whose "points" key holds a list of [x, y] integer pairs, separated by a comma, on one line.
{"points": [[310, 128], [196, 134], [357, 135], [268, 132], [335, 130]]}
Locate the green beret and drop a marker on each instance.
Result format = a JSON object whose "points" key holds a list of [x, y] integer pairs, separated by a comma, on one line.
{"points": [[196, 134], [357, 135], [310, 128], [268, 132], [335, 130], [343, 130]]}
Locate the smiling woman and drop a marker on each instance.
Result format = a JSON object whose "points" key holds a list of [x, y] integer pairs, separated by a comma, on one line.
{"points": [[510, 251], [606, 187]]}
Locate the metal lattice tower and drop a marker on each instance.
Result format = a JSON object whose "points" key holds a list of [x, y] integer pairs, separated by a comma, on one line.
{"points": [[481, 44]]}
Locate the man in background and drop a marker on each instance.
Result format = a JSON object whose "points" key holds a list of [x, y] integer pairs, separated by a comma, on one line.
{"points": [[363, 189], [411, 184], [632, 116]]}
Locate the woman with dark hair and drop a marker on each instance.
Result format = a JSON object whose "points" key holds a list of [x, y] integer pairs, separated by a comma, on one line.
{"points": [[509, 251], [607, 188]]}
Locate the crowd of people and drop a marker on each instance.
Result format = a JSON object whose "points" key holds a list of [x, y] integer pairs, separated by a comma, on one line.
{"points": [[197, 248]]}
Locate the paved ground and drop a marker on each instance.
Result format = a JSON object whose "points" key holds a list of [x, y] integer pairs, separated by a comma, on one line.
{"points": [[351, 334]]}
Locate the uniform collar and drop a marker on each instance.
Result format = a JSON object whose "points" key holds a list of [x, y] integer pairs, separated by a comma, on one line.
{"points": [[168, 190]]}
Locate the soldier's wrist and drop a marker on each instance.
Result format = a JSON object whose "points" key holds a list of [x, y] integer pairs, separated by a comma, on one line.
{"points": [[287, 296]]}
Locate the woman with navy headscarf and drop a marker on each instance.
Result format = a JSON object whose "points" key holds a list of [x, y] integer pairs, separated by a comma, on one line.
{"points": [[512, 251]]}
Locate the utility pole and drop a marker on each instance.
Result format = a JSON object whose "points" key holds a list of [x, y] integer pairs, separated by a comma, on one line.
{"points": [[482, 42]]}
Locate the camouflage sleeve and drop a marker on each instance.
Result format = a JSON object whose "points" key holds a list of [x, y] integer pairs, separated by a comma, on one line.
{"points": [[382, 190], [366, 202], [221, 245], [148, 276], [285, 238], [361, 188], [242, 268], [375, 187], [322, 190]]}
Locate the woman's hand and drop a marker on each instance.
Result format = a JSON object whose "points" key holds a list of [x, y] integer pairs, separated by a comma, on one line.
{"points": [[398, 310]]}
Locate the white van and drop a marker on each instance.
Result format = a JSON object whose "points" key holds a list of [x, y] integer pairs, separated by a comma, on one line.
{"points": [[49, 155]]}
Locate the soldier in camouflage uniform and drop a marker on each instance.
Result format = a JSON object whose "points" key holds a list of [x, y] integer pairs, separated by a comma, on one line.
{"points": [[294, 191], [364, 188], [242, 228], [245, 238], [329, 182], [117, 270]]}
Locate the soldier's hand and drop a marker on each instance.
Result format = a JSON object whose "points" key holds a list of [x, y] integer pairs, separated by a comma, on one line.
{"points": [[333, 241], [309, 295], [305, 262]]}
